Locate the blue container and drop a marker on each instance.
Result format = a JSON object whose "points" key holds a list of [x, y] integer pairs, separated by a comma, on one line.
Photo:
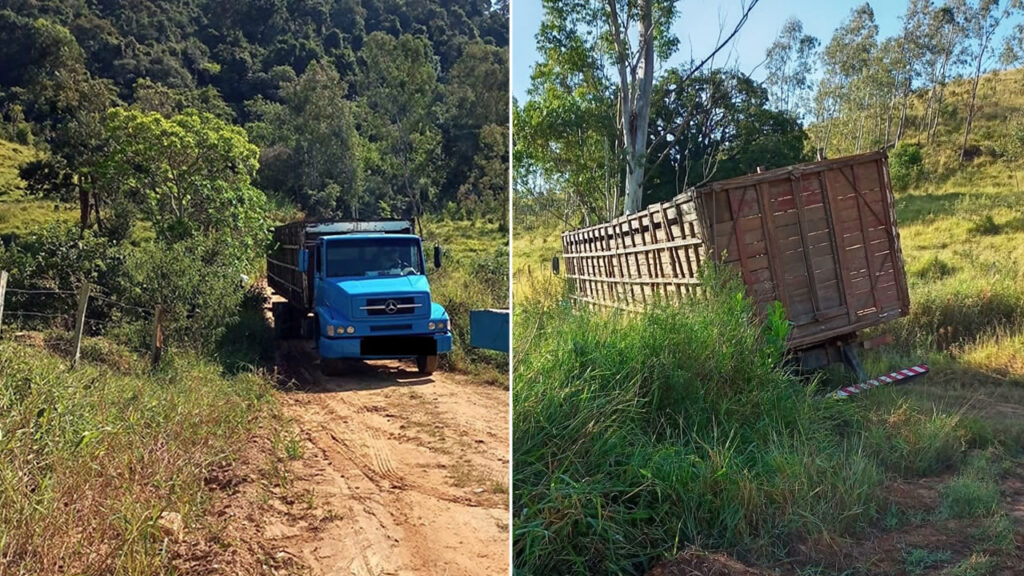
{"points": [[489, 329]]}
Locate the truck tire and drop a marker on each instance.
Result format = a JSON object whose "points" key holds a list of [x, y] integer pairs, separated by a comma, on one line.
{"points": [[332, 366], [426, 364], [282, 320]]}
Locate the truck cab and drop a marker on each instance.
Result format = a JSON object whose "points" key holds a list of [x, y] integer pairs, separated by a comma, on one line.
{"points": [[365, 295]]}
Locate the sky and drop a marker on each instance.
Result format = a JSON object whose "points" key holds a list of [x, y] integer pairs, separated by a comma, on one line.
{"points": [[698, 24]]}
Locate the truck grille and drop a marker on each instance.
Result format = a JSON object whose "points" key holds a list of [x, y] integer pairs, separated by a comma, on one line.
{"points": [[394, 306], [390, 327]]}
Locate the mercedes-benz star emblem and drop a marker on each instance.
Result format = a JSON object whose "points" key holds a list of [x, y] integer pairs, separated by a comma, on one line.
{"points": [[391, 306]]}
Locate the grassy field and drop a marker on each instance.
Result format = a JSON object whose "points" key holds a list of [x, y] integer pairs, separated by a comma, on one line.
{"points": [[610, 476], [21, 214], [104, 465]]}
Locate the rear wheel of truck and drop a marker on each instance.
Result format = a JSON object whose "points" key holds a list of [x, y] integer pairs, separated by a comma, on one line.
{"points": [[426, 364], [283, 320], [332, 366]]}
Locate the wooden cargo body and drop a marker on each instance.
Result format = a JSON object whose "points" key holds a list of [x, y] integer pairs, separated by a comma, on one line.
{"points": [[821, 238]]}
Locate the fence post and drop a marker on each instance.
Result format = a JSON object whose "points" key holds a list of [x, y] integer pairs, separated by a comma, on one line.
{"points": [[158, 334], [3, 294], [83, 300]]}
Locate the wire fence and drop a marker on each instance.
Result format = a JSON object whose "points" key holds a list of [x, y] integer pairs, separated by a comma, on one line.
{"points": [[41, 305]]}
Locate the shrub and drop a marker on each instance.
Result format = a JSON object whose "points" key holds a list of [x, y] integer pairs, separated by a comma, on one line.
{"points": [[906, 166]]}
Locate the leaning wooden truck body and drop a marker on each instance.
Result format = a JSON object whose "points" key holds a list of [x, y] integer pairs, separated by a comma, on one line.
{"points": [[821, 238]]}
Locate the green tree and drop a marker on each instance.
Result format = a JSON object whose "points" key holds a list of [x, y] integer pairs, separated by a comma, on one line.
{"points": [[188, 175], [726, 129], [310, 147], [399, 90], [982, 21]]}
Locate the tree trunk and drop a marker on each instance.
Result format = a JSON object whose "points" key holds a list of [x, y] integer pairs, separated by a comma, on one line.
{"points": [[637, 112], [974, 96]]}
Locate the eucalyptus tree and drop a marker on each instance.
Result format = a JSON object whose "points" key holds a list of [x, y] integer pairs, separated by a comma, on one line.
{"points": [[982, 21], [628, 37], [843, 94], [944, 38], [790, 62]]}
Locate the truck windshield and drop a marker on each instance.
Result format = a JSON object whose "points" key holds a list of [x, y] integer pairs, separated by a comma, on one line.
{"points": [[374, 257]]}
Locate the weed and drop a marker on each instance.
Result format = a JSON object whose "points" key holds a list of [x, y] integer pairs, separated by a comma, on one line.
{"points": [[918, 560], [977, 564], [971, 493], [636, 434], [996, 533]]}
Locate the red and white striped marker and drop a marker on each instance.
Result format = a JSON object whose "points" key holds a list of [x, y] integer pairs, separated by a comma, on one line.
{"points": [[891, 378]]}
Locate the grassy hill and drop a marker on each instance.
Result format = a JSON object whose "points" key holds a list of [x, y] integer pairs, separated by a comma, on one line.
{"points": [[21, 214]]}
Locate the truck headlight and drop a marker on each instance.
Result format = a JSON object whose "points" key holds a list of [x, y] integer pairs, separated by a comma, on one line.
{"points": [[440, 325], [430, 326], [350, 329], [330, 330]]}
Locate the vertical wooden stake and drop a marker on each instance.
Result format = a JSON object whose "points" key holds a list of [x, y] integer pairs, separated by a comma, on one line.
{"points": [[158, 334], [83, 300], [3, 293]]}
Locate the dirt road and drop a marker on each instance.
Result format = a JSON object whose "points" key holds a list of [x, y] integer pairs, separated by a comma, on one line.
{"points": [[402, 474]]}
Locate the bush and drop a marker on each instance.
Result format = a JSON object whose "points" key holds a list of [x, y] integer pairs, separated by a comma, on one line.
{"points": [[906, 166], [196, 282]]}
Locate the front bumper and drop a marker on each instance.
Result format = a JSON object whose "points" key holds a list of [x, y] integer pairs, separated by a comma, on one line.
{"points": [[385, 347]]}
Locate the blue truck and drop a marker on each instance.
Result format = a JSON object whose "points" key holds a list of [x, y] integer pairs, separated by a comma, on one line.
{"points": [[359, 290]]}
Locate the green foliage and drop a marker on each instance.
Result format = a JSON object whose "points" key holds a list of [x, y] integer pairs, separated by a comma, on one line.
{"points": [[985, 226], [310, 146], [722, 127], [973, 492], [399, 89], [474, 275], [932, 268], [189, 176], [65, 65], [196, 282], [906, 166]]}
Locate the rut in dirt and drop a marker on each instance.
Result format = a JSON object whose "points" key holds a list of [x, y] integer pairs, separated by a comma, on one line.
{"points": [[402, 473]]}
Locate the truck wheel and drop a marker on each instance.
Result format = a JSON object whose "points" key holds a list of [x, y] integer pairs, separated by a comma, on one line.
{"points": [[426, 364], [282, 318], [332, 366]]}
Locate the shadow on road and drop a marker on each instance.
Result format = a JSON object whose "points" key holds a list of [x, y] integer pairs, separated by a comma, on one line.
{"points": [[301, 372]]}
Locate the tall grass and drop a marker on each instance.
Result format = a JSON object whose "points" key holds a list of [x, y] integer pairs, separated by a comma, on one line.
{"points": [[634, 436], [92, 461]]}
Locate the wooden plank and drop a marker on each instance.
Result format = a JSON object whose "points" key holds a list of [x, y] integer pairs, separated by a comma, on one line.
{"points": [[83, 302]]}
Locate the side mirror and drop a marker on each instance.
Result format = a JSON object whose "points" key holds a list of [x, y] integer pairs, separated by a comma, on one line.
{"points": [[303, 264], [554, 265], [437, 256]]}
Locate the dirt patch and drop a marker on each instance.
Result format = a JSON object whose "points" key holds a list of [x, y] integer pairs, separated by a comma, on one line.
{"points": [[913, 528], [388, 472], [699, 563]]}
